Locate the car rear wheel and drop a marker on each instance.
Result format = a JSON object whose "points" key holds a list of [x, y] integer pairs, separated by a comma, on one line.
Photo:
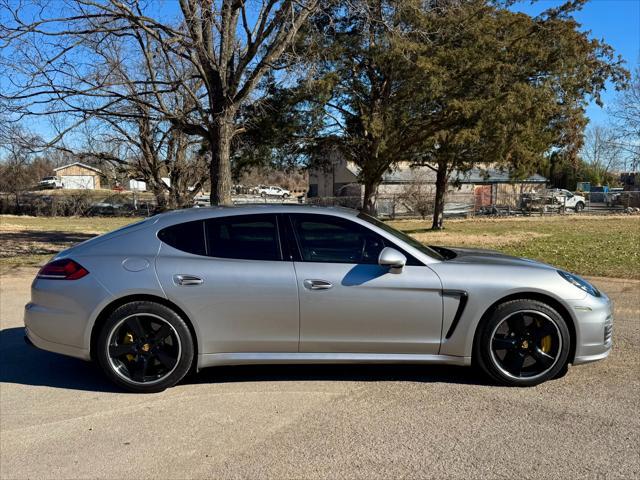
{"points": [[145, 347], [523, 343], [579, 207]]}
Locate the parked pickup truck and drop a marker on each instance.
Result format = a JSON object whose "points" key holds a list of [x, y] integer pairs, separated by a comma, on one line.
{"points": [[265, 191], [569, 200], [49, 183], [556, 199]]}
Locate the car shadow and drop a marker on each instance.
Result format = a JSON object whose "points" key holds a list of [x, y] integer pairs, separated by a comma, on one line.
{"points": [[26, 365], [361, 274]]}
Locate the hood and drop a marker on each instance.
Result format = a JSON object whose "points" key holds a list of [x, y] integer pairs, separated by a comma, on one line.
{"points": [[480, 256]]}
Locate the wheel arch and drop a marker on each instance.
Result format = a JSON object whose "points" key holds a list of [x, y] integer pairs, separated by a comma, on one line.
{"points": [[541, 297], [111, 307]]}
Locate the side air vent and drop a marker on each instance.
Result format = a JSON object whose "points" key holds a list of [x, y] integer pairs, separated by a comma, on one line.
{"points": [[608, 333]]}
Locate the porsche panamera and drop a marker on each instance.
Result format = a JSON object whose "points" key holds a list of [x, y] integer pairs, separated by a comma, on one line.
{"points": [[197, 288]]}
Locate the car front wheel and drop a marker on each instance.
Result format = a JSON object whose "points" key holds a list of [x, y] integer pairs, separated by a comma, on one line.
{"points": [[523, 343], [145, 347]]}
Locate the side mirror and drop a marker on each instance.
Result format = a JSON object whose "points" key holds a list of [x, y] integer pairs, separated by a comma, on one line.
{"points": [[392, 258]]}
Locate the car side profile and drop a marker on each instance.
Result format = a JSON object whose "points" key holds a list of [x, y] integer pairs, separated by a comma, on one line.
{"points": [[570, 200], [197, 288], [271, 191]]}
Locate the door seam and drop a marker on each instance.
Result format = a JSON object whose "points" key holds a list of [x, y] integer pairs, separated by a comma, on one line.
{"points": [[295, 272]]}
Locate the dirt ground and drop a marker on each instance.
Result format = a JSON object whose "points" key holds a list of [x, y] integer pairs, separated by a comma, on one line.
{"points": [[59, 418]]}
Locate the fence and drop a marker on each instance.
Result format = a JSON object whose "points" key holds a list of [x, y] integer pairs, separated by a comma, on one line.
{"points": [[457, 204], [481, 203], [84, 203]]}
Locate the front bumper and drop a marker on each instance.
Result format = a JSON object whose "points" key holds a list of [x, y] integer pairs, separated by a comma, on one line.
{"points": [[594, 328]]}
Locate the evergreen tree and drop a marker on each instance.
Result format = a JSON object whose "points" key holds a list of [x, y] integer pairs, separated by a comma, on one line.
{"points": [[452, 84]]}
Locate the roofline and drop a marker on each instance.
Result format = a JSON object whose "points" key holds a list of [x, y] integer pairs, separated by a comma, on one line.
{"points": [[188, 214], [78, 163]]}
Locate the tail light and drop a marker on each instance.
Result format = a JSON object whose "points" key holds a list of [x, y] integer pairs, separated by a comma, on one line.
{"points": [[64, 269]]}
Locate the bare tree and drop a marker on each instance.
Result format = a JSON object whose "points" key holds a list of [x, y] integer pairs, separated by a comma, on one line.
{"points": [[16, 176], [626, 114], [61, 63], [602, 152], [418, 195]]}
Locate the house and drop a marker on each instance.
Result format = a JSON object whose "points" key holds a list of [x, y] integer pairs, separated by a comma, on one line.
{"points": [[79, 176], [475, 188], [340, 178]]}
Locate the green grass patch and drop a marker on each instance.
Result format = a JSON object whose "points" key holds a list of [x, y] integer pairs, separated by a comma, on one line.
{"points": [[606, 246]]}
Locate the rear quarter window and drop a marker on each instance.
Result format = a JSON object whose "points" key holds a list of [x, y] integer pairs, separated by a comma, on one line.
{"points": [[186, 237]]}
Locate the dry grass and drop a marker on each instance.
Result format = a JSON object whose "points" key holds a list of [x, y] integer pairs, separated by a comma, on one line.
{"points": [[31, 241]]}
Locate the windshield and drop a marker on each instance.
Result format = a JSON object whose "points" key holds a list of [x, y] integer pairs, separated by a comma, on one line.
{"points": [[402, 236]]}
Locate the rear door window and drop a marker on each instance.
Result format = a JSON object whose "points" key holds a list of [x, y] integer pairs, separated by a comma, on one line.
{"points": [[247, 237]]}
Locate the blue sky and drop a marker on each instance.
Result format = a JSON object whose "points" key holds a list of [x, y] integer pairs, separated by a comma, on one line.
{"points": [[615, 21]]}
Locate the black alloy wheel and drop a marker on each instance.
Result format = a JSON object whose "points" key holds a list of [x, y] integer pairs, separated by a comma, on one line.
{"points": [[523, 343], [145, 347], [526, 344]]}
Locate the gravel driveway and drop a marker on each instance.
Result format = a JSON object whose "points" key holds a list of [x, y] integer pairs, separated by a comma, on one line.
{"points": [[60, 419]]}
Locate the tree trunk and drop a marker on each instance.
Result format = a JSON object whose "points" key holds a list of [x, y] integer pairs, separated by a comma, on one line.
{"points": [[369, 199], [441, 190], [220, 168], [161, 199]]}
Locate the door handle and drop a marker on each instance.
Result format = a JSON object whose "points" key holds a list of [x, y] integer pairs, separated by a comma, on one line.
{"points": [[317, 284], [187, 280]]}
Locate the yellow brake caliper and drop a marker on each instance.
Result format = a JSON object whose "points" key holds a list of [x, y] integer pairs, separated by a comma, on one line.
{"points": [[128, 338], [545, 342]]}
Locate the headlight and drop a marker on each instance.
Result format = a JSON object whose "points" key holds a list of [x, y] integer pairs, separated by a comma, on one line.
{"points": [[580, 283]]}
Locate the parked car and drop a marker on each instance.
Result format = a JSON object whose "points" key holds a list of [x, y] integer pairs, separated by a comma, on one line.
{"points": [[614, 197], [569, 200], [48, 183], [553, 199], [266, 191], [196, 288]]}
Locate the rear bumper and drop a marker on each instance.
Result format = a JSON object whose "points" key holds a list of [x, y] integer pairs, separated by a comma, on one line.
{"points": [[57, 317], [39, 342]]}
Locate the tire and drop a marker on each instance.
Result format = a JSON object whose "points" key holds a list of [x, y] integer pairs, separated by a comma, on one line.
{"points": [[523, 343], [263, 194], [579, 207], [145, 347], [285, 196]]}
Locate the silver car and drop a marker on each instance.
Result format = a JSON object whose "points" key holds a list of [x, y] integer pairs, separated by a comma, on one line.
{"points": [[293, 284]]}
